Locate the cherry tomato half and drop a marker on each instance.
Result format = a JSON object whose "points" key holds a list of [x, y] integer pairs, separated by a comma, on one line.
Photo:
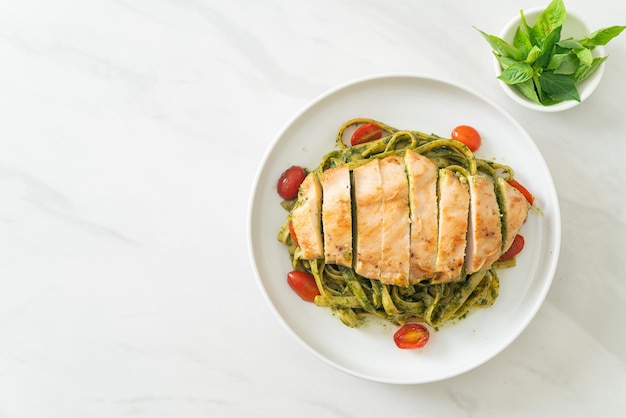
{"points": [[303, 284], [516, 247], [528, 195], [366, 133], [411, 336], [290, 181], [467, 135]]}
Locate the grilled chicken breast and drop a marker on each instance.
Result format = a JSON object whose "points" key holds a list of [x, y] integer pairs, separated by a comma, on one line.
{"points": [[453, 221], [337, 216], [422, 178], [306, 218], [402, 220], [394, 264], [484, 232], [514, 207], [368, 201]]}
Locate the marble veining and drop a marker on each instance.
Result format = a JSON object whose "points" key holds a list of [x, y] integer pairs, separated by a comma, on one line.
{"points": [[130, 134]]}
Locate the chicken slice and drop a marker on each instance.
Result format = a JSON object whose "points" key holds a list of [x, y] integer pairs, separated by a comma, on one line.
{"points": [[514, 207], [337, 216], [394, 265], [306, 218], [484, 233], [422, 177], [453, 221], [369, 216]]}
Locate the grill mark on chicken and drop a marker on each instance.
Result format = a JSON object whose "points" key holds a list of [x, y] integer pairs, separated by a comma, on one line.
{"points": [[369, 216], [453, 221], [337, 216], [422, 178], [306, 218], [394, 265], [484, 233], [514, 208]]}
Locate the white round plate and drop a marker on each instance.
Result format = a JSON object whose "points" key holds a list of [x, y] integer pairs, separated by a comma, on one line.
{"points": [[433, 106]]}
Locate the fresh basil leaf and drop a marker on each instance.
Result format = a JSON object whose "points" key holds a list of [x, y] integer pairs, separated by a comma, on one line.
{"points": [[584, 71], [517, 73], [527, 88], [551, 17], [531, 32], [521, 41], [548, 47], [533, 54], [570, 44], [559, 86], [568, 65], [504, 61], [602, 36], [555, 61], [501, 46], [584, 55]]}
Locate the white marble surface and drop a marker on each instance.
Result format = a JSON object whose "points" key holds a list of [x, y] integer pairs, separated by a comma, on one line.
{"points": [[130, 132]]}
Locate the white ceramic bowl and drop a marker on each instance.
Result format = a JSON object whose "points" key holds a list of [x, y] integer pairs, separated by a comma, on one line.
{"points": [[573, 27]]}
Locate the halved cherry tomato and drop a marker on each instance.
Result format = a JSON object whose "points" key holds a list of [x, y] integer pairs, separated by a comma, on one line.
{"points": [[303, 284], [292, 232], [366, 133], [290, 181], [528, 195], [516, 247], [467, 135], [411, 336]]}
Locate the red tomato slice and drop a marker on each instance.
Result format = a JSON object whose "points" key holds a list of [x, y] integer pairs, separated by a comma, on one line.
{"points": [[515, 248], [411, 336], [290, 181], [303, 284], [528, 195], [366, 133], [467, 135]]}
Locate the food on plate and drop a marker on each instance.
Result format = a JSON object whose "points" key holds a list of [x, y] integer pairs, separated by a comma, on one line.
{"points": [[402, 225], [411, 336]]}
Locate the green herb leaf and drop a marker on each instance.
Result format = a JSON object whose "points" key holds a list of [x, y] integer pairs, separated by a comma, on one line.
{"points": [[504, 61], [533, 54], [584, 55], [552, 17], [602, 36], [527, 88], [559, 86], [584, 72], [564, 63], [500, 46], [555, 61], [521, 41], [570, 44], [517, 73], [548, 47]]}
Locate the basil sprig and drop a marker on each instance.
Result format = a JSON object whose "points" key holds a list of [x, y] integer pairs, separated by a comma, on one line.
{"points": [[543, 67]]}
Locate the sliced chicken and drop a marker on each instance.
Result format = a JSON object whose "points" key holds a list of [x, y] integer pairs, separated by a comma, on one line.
{"points": [[369, 217], [514, 207], [422, 177], [484, 233], [337, 216], [453, 221], [394, 265], [306, 218]]}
